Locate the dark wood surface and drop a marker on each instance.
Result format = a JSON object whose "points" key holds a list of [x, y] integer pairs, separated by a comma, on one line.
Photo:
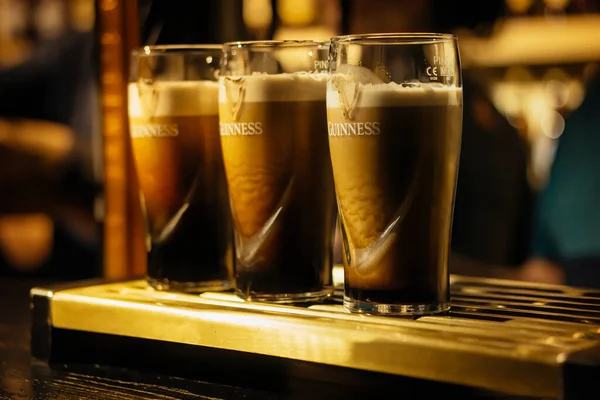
{"points": [[22, 377]]}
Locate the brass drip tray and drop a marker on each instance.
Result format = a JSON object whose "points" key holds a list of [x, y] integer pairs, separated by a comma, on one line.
{"points": [[504, 336]]}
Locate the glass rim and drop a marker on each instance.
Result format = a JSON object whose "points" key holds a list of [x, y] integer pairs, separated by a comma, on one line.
{"points": [[395, 38], [162, 49], [262, 44]]}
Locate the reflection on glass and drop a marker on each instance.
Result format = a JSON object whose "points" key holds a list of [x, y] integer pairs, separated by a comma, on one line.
{"points": [[394, 111], [273, 134], [173, 117]]}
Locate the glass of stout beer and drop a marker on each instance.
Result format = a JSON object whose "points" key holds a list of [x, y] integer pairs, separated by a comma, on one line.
{"points": [[174, 128], [273, 128], [394, 111]]}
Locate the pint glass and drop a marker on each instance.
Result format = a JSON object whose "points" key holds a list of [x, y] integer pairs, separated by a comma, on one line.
{"points": [[273, 131], [174, 128], [394, 111]]}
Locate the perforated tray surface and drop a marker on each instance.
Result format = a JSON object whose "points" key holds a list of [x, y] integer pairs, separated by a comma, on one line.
{"points": [[513, 337]]}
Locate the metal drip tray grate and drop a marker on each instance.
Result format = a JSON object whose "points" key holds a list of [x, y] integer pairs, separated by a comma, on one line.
{"points": [[511, 337]]}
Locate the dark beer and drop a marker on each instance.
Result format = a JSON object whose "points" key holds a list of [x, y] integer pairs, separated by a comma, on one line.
{"points": [[175, 140], [394, 151], [274, 137]]}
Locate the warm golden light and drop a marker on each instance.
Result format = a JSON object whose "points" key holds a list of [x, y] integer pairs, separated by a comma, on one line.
{"points": [[552, 124], [519, 6], [557, 4], [297, 12], [257, 14]]}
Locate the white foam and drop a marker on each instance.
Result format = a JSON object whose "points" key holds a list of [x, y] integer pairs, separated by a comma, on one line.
{"points": [[176, 98], [280, 87], [393, 94]]}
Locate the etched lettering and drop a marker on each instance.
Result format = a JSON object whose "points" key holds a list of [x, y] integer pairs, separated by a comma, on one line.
{"points": [[446, 71], [443, 60], [154, 130], [240, 128], [354, 128], [321, 65]]}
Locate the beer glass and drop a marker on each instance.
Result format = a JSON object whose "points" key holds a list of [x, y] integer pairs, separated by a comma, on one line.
{"points": [[394, 112], [174, 129], [273, 131]]}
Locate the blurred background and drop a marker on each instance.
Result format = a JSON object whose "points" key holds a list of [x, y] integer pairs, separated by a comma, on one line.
{"points": [[528, 197]]}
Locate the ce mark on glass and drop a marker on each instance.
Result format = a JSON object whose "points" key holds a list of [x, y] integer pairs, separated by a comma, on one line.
{"points": [[432, 73], [435, 72]]}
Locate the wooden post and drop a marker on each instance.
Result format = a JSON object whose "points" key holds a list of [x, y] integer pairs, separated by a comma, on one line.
{"points": [[124, 253]]}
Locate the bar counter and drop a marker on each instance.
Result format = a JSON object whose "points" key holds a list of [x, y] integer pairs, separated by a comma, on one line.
{"points": [[24, 378], [501, 340]]}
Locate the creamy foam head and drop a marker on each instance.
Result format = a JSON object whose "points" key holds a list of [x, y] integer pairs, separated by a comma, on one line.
{"points": [[392, 94], [173, 98], [280, 87]]}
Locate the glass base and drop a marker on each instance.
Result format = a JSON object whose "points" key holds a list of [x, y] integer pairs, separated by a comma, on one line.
{"points": [[365, 307], [188, 287], [285, 298]]}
